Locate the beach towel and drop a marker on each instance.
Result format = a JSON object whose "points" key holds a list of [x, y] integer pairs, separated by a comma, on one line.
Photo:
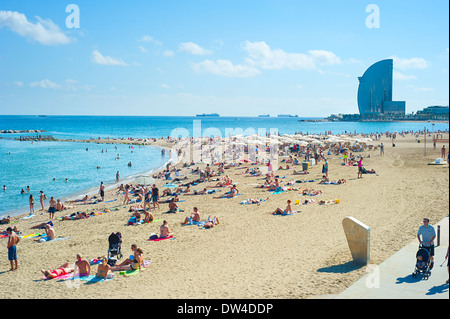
{"points": [[193, 222], [248, 201], [46, 239], [30, 235], [287, 214], [29, 216], [91, 279], [132, 272], [159, 239]]}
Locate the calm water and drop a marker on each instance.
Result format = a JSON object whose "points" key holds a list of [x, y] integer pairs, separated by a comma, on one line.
{"points": [[35, 164]]}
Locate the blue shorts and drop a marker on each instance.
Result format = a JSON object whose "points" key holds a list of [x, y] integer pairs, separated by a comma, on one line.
{"points": [[155, 198], [12, 253], [51, 210]]}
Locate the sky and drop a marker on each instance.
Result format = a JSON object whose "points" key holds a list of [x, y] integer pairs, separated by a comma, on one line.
{"points": [[236, 58]]}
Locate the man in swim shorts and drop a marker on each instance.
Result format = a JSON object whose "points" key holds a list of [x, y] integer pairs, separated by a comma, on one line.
{"points": [[13, 240], [52, 208], [155, 196]]}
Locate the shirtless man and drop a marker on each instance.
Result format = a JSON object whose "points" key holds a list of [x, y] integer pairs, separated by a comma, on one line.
{"points": [[52, 208], [60, 206], [195, 217], [173, 207], [13, 240], [83, 265], [50, 234], [164, 230], [102, 191]]}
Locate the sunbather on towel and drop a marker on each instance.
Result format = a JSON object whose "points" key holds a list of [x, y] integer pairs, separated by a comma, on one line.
{"points": [[104, 270], [288, 209], [164, 230], [50, 232], [233, 192], [60, 271], [195, 217], [211, 222]]}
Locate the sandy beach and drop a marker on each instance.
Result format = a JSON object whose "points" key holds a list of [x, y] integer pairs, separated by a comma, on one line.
{"points": [[251, 253]]}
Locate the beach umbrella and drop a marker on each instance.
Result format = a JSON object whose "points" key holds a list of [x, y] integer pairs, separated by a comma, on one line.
{"points": [[144, 180]]}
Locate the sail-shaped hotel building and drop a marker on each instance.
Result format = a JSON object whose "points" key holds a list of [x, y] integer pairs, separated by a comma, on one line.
{"points": [[375, 91]]}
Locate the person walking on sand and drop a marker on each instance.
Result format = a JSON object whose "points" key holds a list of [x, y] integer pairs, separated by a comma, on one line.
{"points": [[443, 151], [31, 199], [41, 199], [428, 235], [155, 196], [381, 149], [102, 191], [13, 240], [360, 167]]}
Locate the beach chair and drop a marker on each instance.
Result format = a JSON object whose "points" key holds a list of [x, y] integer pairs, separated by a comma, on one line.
{"points": [[115, 245]]}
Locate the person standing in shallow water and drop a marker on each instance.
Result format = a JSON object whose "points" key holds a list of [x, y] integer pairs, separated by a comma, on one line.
{"points": [[102, 191], [31, 204]]}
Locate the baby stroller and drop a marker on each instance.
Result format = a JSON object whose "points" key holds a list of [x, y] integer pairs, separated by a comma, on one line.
{"points": [[422, 263], [115, 245]]}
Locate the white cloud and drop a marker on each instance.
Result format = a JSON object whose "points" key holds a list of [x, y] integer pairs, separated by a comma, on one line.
{"points": [[18, 83], [98, 58], [69, 84], [168, 53], [45, 84], [193, 48], [148, 38], [225, 68], [165, 86], [261, 55], [143, 50], [43, 31], [411, 63], [402, 77]]}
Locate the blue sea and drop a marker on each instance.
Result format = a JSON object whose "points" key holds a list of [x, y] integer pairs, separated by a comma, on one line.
{"points": [[46, 165]]}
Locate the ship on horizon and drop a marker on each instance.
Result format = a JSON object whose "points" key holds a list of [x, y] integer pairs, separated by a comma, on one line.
{"points": [[287, 115], [264, 115], [208, 115]]}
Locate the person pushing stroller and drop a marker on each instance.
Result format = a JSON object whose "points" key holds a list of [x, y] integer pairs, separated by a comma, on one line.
{"points": [[426, 235]]}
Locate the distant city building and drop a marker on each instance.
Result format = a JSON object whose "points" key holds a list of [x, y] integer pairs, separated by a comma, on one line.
{"points": [[434, 113], [375, 92]]}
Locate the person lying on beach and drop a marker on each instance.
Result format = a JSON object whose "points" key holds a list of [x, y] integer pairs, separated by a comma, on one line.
{"points": [[299, 172], [104, 270], [14, 229], [195, 217], [273, 186], [75, 216], [326, 202], [366, 171], [310, 192], [288, 209], [41, 226], [83, 200], [202, 192], [5, 220], [309, 201], [84, 267], [211, 222], [64, 269]]}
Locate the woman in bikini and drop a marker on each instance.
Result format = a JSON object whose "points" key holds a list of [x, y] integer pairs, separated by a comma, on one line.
{"points": [[288, 209], [61, 271], [136, 263], [104, 270]]}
